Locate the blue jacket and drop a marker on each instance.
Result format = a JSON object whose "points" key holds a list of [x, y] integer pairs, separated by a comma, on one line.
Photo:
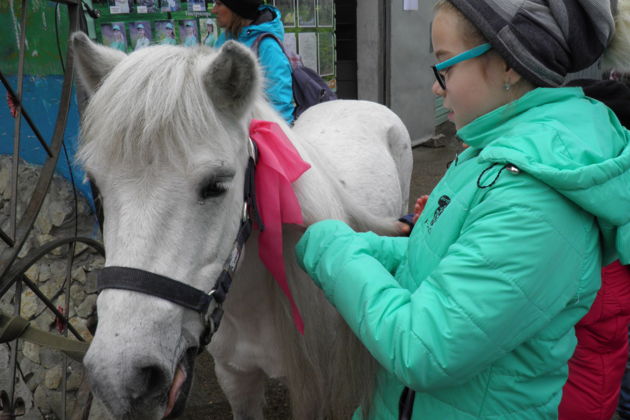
{"points": [[276, 66]]}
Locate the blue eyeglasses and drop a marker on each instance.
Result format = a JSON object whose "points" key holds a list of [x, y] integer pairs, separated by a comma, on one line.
{"points": [[466, 55]]}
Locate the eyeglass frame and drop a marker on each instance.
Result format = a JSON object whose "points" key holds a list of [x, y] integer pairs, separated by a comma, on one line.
{"points": [[466, 55]]}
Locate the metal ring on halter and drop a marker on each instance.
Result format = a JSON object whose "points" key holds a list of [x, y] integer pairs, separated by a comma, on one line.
{"points": [[251, 148], [244, 215]]}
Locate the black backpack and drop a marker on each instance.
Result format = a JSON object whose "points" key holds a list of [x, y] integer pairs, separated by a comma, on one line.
{"points": [[308, 87]]}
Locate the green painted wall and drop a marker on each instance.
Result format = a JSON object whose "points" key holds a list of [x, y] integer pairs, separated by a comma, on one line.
{"points": [[43, 18]]}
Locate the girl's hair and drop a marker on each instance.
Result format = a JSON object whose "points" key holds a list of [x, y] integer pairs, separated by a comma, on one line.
{"points": [[468, 30], [236, 26]]}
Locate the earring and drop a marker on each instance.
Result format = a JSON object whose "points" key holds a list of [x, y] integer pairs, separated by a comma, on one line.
{"points": [[507, 86]]}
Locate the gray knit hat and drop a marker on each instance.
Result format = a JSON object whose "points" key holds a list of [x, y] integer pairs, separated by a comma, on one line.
{"points": [[543, 40]]}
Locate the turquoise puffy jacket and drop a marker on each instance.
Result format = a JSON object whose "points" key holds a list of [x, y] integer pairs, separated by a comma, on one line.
{"points": [[276, 66], [475, 311]]}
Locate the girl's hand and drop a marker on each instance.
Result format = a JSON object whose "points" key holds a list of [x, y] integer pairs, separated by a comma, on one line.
{"points": [[421, 202]]}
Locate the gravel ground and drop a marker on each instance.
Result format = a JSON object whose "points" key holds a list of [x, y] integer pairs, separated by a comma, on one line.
{"points": [[206, 400]]}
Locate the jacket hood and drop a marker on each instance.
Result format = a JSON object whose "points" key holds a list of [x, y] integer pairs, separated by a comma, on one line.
{"points": [[574, 144], [269, 21]]}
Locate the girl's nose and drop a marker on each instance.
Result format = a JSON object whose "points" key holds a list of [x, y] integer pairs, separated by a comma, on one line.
{"points": [[437, 89]]}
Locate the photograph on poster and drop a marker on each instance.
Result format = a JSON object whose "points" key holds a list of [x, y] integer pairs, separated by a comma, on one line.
{"points": [[170, 5], [165, 32], [118, 6], [326, 44], [287, 11], [306, 13], [140, 34], [188, 32], [146, 6], [196, 5], [325, 12], [308, 49], [209, 32], [114, 35]]}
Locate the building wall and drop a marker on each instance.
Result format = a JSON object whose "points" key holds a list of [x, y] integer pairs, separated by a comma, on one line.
{"points": [[393, 61]]}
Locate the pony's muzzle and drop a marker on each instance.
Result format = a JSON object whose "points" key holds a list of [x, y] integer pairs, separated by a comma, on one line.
{"points": [[136, 388]]}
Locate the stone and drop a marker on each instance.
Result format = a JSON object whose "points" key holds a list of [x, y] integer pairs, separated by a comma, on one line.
{"points": [[52, 287], [80, 247], [32, 373], [81, 326], [77, 294], [78, 274], [75, 380], [53, 376], [30, 304], [44, 272], [43, 223], [87, 307], [25, 249], [32, 273], [57, 212], [45, 320], [50, 358], [90, 283], [5, 178], [96, 263], [59, 268], [31, 351]]}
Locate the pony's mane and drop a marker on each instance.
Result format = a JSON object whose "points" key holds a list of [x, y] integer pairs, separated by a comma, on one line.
{"points": [[153, 107]]}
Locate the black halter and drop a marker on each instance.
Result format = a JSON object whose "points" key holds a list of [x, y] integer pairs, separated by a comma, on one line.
{"points": [[181, 293]]}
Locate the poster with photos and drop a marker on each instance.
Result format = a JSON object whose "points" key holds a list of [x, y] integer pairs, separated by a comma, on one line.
{"points": [[170, 5], [114, 35], [118, 6], [290, 43], [306, 13], [325, 12], [326, 44], [287, 11], [196, 5], [188, 33], [209, 32], [308, 49], [165, 32], [146, 6], [140, 34]]}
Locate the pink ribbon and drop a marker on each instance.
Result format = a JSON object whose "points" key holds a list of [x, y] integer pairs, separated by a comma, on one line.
{"points": [[279, 164]]}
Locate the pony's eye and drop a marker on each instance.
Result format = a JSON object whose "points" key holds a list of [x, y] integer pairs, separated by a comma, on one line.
{"points": [[212, 189]]}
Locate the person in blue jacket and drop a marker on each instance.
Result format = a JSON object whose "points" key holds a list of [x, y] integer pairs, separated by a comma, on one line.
{"points": [[244, 21]]}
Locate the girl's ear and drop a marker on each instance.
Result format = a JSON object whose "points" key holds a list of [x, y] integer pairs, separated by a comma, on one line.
{"points": [[511, 76]]}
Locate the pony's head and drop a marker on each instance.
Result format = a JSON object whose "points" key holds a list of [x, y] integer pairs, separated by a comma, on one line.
{"points": [[164, 139]]}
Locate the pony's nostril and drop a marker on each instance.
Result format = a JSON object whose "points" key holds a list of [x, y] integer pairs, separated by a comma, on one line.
{"points": [[151, 382]]}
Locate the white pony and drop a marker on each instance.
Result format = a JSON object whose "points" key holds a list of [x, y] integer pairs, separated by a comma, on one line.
{"points": [[162, 126]]}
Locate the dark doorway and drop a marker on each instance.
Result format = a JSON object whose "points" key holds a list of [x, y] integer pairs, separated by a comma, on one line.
{"points": [[346, 34]]}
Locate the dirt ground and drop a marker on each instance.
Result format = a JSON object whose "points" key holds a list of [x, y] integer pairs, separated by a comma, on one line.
{"points": [[206, 400]]}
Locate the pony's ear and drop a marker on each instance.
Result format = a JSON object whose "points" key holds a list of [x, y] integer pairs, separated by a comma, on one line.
{"points": [[93, 62], [232, 78]]}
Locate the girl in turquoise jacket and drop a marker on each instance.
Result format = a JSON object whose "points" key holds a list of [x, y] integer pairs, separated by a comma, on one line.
{"points": [[244, 21], [472, 316]]}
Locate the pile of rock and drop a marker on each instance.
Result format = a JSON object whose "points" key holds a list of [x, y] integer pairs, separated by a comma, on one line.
{"points": [[40, 370]]}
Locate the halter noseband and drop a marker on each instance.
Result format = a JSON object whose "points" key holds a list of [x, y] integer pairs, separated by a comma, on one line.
{"points": [[181, 293]]}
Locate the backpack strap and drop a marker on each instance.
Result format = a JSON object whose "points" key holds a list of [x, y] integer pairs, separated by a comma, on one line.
{"points": [[259, 38]]}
